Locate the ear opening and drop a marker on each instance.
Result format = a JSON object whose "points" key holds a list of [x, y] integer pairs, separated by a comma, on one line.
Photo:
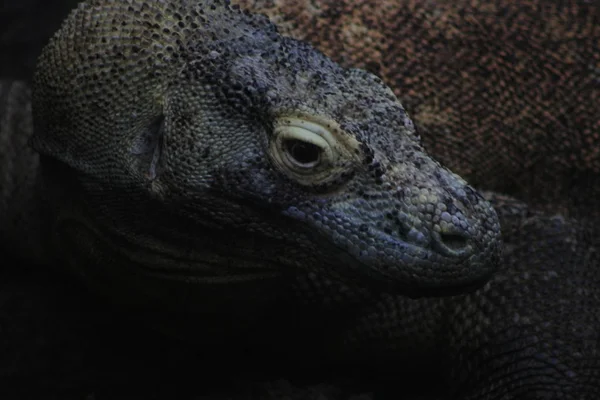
{"points": [[148, 148]]}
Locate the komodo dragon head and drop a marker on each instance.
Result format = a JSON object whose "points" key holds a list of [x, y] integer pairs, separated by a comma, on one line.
{"points": [[196, 144]]}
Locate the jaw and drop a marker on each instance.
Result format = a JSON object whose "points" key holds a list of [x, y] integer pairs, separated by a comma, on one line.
{"points": [[409, 280], [390, 263], [213, 266], [151, 275]]}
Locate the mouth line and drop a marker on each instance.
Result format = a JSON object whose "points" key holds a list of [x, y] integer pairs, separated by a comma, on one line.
{"points": [[362, 267], [163, 265], [407, 277], [389, 284], [420, 253], [170, 265], [167, 263], [450, 291]]}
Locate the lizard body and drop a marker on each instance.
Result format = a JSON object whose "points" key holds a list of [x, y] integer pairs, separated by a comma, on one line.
{"points": [[468, 335]]}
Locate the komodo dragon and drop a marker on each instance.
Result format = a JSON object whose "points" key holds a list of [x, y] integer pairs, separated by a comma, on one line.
{"points": [[543, 366], [190, 142]]}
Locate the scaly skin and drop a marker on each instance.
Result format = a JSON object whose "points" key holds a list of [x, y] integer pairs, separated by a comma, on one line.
{"points": [[505, 93], [532, 332], [502, 341], [189, 113]]}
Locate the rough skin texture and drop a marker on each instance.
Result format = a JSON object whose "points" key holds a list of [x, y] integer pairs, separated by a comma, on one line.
{"points": [[184, 111], [531, 333], [505, 93]]}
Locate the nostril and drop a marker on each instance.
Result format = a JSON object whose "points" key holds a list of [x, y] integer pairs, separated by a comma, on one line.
{"points": [[452, 244], [454, 241]]}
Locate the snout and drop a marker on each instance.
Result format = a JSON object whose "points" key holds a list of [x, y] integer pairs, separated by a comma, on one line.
{"points": [[436, 237]]}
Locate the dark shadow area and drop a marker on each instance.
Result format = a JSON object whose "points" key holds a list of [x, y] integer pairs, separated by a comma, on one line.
{"points": [[25, 27]]}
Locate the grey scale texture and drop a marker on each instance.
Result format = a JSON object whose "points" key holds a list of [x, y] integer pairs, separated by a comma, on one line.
{"points": [[156, 176]]}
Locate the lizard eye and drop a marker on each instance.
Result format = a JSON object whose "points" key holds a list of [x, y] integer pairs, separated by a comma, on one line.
{"points": [[302, 147], [313, 151], [304, 154]]}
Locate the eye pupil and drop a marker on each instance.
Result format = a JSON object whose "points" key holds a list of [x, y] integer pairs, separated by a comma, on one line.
{"points": [[303, 152]]}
